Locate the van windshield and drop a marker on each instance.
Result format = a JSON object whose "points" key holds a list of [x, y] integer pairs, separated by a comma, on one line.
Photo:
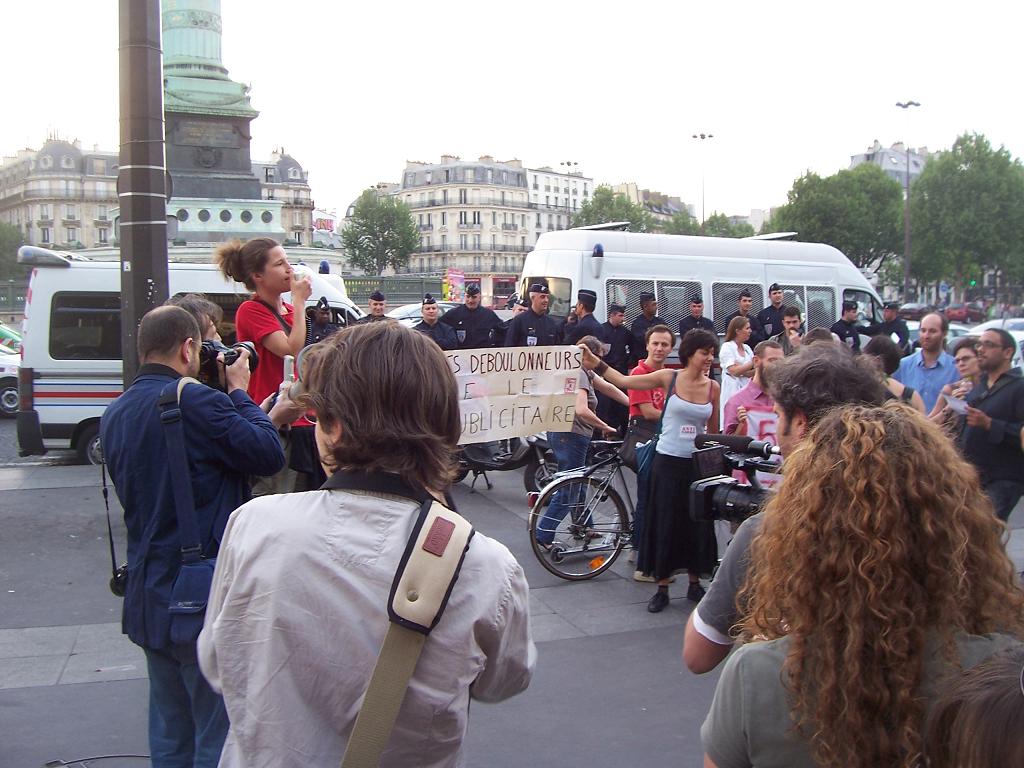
{"points": [[867, 307], [560, 289]]}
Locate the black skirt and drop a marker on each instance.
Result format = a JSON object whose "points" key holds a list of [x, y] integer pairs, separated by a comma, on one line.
{"points": [[671, 539]]}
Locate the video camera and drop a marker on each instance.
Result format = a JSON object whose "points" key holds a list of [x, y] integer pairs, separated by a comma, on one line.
{"points": [[209, 372], [717, 495]]}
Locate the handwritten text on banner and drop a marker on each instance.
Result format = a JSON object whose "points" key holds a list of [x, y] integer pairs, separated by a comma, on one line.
{"points": [[515, 391]]}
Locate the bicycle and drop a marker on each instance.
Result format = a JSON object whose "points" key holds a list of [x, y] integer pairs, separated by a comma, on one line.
{"points": [[597, 523]]}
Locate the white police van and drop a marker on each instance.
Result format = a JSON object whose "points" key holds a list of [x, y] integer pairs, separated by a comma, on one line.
{"points": [[71, 347], [817, 278]]}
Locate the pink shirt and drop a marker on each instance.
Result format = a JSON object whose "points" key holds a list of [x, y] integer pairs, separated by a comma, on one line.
{"points": [[746, 397]]}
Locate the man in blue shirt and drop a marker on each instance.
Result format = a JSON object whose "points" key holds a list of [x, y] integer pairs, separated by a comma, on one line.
{"points": [[930, 368], [227, 438]]}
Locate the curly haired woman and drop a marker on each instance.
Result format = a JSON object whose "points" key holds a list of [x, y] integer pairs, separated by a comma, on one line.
{"points": [[880, 569]]}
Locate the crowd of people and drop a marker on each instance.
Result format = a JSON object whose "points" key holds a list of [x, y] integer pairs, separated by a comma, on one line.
{"points": [[877, 616]]}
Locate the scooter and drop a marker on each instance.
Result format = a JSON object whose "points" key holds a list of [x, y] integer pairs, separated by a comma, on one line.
{"points": [[532, 452]]}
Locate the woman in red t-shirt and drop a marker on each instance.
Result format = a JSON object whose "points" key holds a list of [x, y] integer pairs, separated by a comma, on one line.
{"points": [[267, 321]]}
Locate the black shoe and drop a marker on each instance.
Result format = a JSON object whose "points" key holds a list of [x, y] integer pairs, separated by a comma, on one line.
{"points": [[659, 602], [695, 592]]}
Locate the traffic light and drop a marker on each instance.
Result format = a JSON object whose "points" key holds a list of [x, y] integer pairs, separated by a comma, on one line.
{"points": [[973, 283]]}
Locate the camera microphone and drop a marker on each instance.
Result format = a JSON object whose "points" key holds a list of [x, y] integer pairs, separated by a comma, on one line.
{"points": [[739, 444]]}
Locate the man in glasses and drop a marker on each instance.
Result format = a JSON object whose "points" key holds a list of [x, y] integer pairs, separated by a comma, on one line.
{"points": [[995, 415]]}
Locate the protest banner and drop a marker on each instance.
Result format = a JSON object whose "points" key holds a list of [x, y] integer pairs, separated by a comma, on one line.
{"points": [[515, 391]]}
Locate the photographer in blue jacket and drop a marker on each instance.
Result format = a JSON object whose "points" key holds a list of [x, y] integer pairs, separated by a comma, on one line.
{"points": [[226, 438]]}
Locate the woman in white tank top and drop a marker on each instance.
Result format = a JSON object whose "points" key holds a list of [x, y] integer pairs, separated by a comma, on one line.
{"points": [[671, 539]]}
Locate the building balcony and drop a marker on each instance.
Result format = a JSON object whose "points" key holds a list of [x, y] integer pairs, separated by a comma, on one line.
{"points": [[473, 249], [495, 202], [84, 194], [72, 220], [508, 227], [476, 225], [426, 227]]}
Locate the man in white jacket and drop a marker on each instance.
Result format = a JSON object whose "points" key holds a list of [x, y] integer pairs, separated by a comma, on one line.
{"points": [[298, 609]]}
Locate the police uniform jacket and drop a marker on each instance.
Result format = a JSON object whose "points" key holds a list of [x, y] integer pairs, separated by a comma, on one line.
{"points": [[227, 438], [848, 333], [474, 328], [639, 330], [622, 352], [442, 334], [770, 319], [585, 326], [887, 328], [690, 322], [757, 334], [529, 329]]}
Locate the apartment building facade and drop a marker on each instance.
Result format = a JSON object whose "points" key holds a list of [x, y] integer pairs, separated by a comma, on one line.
{"points": [[556, 196], [60, 196]]}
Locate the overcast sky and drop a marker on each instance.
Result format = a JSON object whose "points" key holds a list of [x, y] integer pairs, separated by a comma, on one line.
{"points": [[353, 90]]}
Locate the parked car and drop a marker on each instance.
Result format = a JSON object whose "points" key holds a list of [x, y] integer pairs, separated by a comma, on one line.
{"points": [[965, 313], [1009, 324], [915, 310], [9, 364], [411, 314], [10, 339]]}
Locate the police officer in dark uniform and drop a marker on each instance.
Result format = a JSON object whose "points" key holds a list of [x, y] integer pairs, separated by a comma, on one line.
{"points": [[696, 317], [846, 326], [378, 303], [770, 317], [891, 323], [534, 327], [621, 355], [746, 303], [648, 318], [586, 324], [320, 325], [475, 326], [442, 334]]}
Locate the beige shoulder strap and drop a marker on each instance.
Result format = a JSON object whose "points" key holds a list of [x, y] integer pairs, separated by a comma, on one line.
{"points": [[425, 578]]}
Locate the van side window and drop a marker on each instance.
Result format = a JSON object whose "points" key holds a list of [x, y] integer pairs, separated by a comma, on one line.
{"points": [[821, 307], [85, 326], [674, 300], [229, 304], [627, 293], [725, 301]]}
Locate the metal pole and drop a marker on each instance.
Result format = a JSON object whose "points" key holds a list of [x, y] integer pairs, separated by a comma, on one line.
{"points": [[905, 105], [141, 175]]}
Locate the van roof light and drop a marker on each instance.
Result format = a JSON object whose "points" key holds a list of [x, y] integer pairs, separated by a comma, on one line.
{"points": [[34, 256]]}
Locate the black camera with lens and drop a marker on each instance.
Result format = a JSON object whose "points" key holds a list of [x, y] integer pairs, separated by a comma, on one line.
{"points": [[716, 494], [209, 370]]}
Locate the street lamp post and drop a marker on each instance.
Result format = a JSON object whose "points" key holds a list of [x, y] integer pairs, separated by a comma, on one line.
{"points": [[570, 168], [905, 105], [702, 137]]}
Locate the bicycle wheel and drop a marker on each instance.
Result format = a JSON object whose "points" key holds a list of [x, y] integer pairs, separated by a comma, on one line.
{"points": [[578, 526]]}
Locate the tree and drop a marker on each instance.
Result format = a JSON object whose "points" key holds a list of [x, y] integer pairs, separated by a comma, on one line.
{"points": [[859, 211], [967, 214], [380, 233], [605, 206], [10, 240], [718, 225], [682, 223]]}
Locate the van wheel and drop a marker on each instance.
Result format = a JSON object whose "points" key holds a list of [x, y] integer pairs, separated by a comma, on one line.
{"points": [[88, 446], [8, 398]]}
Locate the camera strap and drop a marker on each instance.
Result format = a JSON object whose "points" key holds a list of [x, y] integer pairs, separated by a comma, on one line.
{"points": [[273, 310], [419, 594], [110, 528], [181, 482]]}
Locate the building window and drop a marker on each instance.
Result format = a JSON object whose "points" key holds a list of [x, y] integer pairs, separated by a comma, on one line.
{"points": [[101, 235], [225, 215], [444, 195], [463, 217], [45, 161], [444, 242], [476, 242], [447, 176], [204, 215], [430, 176], [246, 217], [469, 175], [494, 218], [268, 175], [69, 213], [463, 196], [463, 241], [490, 175], [44, 233], [266, 217], [44, 212], [444, 218], [72, 235], [476, 217]]}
